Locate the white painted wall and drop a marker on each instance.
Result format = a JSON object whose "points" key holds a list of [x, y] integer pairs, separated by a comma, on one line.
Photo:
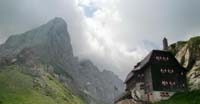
{"points": [[156, 96], [138, 92]]}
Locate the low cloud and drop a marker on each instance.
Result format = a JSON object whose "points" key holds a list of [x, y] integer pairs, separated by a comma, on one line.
{"points": [[114, 34]]}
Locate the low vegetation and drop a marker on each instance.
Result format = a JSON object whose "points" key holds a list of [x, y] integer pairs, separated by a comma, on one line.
{"points": [[17, 87]]}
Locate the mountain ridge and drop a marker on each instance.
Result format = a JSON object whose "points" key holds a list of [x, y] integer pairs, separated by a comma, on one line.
{"points": [[50, 44]]}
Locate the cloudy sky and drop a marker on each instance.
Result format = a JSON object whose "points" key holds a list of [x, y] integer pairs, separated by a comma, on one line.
{"points": [[114, 34]]}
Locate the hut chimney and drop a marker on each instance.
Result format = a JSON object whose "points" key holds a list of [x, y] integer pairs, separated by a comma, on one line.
{"points": [[165, 44]]}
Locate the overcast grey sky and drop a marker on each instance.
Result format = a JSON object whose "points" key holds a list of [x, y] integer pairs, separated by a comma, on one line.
{"points": [[114, 34]]}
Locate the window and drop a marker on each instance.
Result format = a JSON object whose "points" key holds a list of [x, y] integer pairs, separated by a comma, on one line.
{"points": [[141, 86], [164, 94], [170, 83], [170, 71], [142, 75], [174, 83], [164, 83], [182, 73], [163, 70], [162, 58], [157, 58], [183, 85]]}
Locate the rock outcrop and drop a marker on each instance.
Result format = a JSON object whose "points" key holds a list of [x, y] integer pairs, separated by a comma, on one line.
{"points": [[188, 54]]}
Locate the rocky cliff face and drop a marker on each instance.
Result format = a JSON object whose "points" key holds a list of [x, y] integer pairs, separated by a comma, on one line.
{"points": [[104, 81], [188, 54], [50, 44]]}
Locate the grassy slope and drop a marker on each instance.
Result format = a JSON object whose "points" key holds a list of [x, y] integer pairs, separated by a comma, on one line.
{"points": [[19, 88]]}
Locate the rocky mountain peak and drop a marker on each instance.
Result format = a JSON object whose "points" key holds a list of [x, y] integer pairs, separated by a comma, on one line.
{"points": [[50, 44], [58, 21], [47, 40]]}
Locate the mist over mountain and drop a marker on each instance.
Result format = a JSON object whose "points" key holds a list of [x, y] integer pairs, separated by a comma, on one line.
{"points": [[50, 46]]}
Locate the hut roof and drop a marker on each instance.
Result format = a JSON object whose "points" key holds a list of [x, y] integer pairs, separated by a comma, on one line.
{"points": [[140, 65]]}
